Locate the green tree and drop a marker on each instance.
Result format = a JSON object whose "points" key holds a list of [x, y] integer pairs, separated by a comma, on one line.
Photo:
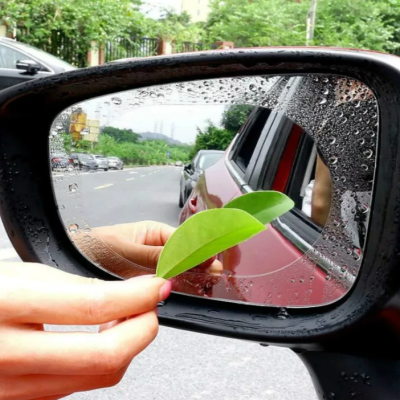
{"points": [[81, 21], [215, 138], [368, 24], [235, 116], [121, 135]]}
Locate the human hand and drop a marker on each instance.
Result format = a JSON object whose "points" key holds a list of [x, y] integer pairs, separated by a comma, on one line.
{"points": [[142, 243], [35, 364]]}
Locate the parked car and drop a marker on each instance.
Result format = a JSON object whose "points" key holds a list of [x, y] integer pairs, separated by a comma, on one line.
{"points": [[178, 163], [101, 161], [60, 161], [20, 62], [84, 162], [270, 153], [192, 171], [115, 163]]}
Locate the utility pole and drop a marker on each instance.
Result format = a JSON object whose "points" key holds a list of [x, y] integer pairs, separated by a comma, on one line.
{"points": [[311, 22]]}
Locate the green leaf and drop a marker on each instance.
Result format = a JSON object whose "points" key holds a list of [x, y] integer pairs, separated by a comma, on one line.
{"points": [[204, 235], [264, 206]]}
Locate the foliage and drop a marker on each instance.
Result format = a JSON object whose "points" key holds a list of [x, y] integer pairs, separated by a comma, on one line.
{"points": [[235, 116], [369, 24], [215, 138], [212, 231], [175, 27], [258, 23], [121, 135], [81, 21], [149, 152]]}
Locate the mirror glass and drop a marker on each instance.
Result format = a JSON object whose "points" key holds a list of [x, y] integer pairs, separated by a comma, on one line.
{"points": [[166, 152]]}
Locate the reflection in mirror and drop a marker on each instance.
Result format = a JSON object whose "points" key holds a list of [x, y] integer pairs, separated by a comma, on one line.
{"points": [[165, 153]]}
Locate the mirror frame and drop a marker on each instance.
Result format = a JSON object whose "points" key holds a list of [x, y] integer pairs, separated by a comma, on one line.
{"points": [[28, 203]]}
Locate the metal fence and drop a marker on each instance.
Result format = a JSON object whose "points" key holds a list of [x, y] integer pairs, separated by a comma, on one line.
{"points": [[60, 45], [131, 47]]}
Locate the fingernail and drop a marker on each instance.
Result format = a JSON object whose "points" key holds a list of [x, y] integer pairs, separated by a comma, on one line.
{"points": [[165, 290]]}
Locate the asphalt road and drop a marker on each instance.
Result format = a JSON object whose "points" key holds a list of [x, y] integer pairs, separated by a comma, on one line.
{"points": [[178, 365]]}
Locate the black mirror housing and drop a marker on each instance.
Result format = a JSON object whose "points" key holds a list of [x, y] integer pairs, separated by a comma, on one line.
{"points": [[30, 66], [30, 194]]}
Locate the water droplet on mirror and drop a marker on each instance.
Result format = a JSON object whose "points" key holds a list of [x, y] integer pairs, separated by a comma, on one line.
{"points": [[332, 140], [282, 314], [61, 207], [333, 160], [323, 101], [364, 167], [368, 153], [116, 100], [328, 277], [73, 228], [73, 187]]}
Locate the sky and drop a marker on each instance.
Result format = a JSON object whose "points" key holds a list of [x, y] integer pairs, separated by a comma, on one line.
{"points": [[179, 120]]}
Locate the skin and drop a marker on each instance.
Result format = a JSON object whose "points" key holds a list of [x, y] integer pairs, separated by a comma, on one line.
{"points": [[35, 364], [124, 246], [322, 194]]}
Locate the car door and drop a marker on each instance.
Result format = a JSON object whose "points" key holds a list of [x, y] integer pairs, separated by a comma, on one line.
{"points": [[9, 74]]}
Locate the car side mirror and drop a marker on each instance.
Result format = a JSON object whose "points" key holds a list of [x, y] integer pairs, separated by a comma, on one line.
{"points": [[30, 66], [188, 168], [331, 108]]}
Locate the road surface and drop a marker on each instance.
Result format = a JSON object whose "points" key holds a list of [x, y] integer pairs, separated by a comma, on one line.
{"points": [[179, 365]]}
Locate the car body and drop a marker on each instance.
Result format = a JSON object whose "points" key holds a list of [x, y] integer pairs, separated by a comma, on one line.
{"points": [[115, 163], [20, 62], [265, 155], [178, 163], [84, 162], [60, 161], [192, 171], [101, 161]]}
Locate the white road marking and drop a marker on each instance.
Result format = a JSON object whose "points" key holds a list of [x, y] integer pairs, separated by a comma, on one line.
{"points": [[142, 176], [133, 172], [6, 254], [104, 186], [130, 179]]}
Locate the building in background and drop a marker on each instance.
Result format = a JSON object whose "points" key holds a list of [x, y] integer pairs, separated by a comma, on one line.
{"points": [[197, 9], [82, 128]]}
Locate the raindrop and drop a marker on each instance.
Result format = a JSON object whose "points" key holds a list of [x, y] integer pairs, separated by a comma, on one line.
{"points": [[282, 314], [364, 167], [333, 160], [323, 101], [73, 187], [325, 80], [73, 228], [361, 141], [116, 100], [328, 277], [332, 140], [252, 87], [61, 207], [368, 153], [107, 103]]}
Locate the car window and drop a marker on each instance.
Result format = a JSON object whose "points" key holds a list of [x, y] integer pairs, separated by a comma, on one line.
{"points": [[249, 139], [9, 57], [84, 157], [208, 160]]}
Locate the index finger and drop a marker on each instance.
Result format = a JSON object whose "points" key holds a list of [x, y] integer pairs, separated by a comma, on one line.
{"points": [[79, 301]]}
